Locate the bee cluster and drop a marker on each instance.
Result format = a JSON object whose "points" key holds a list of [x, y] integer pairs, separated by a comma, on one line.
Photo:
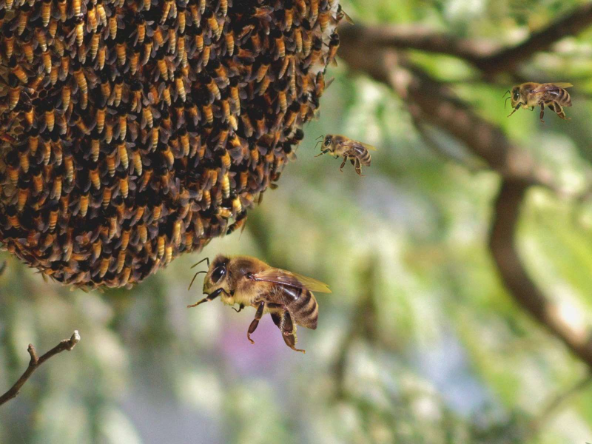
{"points": [[136, 130]]}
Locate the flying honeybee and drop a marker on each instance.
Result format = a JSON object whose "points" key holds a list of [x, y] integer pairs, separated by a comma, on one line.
{"points": [[529, 95], [247, 281], [356, 152]]}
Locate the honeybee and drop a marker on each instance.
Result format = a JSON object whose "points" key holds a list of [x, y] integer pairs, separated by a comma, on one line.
{"points": [[247, 281], [529, 95], [356, 152]]}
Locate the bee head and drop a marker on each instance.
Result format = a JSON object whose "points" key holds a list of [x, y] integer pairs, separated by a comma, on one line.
{"points": [[515, 96], [217, 275], [328, 141]]}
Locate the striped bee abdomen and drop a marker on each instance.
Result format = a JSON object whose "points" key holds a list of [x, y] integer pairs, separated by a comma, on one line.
{"points": [[362, 154], [303, 306], [563, 97]]}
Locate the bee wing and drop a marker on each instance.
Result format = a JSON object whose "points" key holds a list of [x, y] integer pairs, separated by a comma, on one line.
{"points": [[551, 86], [352, 143], [368, 147], [347, 18], [289, 279]]}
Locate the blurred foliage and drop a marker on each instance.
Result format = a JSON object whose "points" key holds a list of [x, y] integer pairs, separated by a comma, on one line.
{"points": [[418, 343]]}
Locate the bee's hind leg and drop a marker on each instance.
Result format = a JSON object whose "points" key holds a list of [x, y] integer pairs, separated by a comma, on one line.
{"points": [[542, 111], [559, 110], [358, 166], [289, 331], [277, 320], [255, 322], [343, 163]]}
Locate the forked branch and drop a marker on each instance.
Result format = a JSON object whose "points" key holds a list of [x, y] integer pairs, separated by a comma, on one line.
{"points": [[487, 56], [502, 244], [35, 362]]}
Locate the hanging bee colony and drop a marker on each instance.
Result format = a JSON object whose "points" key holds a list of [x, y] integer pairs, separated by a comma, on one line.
{"points": [[135, 130]]}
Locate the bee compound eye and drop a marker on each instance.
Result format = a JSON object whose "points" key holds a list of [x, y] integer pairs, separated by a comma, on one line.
{"points": [[218, 274]]}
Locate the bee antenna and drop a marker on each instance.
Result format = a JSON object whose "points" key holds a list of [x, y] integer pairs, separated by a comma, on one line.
{"points": [[506, 101], [207, 259], [507, 92], [322, 136], [194, 276]]}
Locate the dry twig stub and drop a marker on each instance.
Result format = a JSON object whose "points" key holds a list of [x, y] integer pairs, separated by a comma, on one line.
{"points": [[36, 361]]}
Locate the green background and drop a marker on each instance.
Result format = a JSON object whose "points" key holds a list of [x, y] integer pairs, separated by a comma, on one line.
{"points": [[419, 341]]}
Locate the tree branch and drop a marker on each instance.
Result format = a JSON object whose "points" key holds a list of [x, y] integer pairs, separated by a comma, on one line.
{"points": [[421, 38], [433, 102], [487, 56], [502, 244], [35, 362], [569, 25]]}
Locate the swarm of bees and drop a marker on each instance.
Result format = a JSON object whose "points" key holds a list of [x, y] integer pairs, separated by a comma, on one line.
{"points": [[133, 131], [247, 281], [529, 95], [341, 146]]}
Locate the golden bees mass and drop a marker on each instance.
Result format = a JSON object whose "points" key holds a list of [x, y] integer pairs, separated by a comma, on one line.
{"points": [[136, 130]]}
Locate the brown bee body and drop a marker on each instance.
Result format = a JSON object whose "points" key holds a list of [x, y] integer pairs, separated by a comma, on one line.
{"points": [[529, 95], [356, 152], [249, 282]]}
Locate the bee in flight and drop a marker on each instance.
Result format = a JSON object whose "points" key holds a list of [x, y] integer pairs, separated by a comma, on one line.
{"points": [[356, 152], [529, 95], [249, 282]]}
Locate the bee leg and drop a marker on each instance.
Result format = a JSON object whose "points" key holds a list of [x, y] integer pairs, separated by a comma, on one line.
{"points": [[255, 322], [240, 308], [559, 110], [322, 152], [358, 166], [275, 316], [542, 111], [289, 331], [343, 164], [277, 320], [209, 297], [516, 108]]}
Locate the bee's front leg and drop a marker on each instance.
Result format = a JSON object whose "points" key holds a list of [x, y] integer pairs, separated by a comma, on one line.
{"points": [[542, 111], [343, 163], [209, 297], [516, 108], [240, 308], [255, 322]]}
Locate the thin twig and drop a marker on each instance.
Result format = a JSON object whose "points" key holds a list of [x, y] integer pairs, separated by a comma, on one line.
{"points": [[362, 326], [558, 401], [35, 362]]}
